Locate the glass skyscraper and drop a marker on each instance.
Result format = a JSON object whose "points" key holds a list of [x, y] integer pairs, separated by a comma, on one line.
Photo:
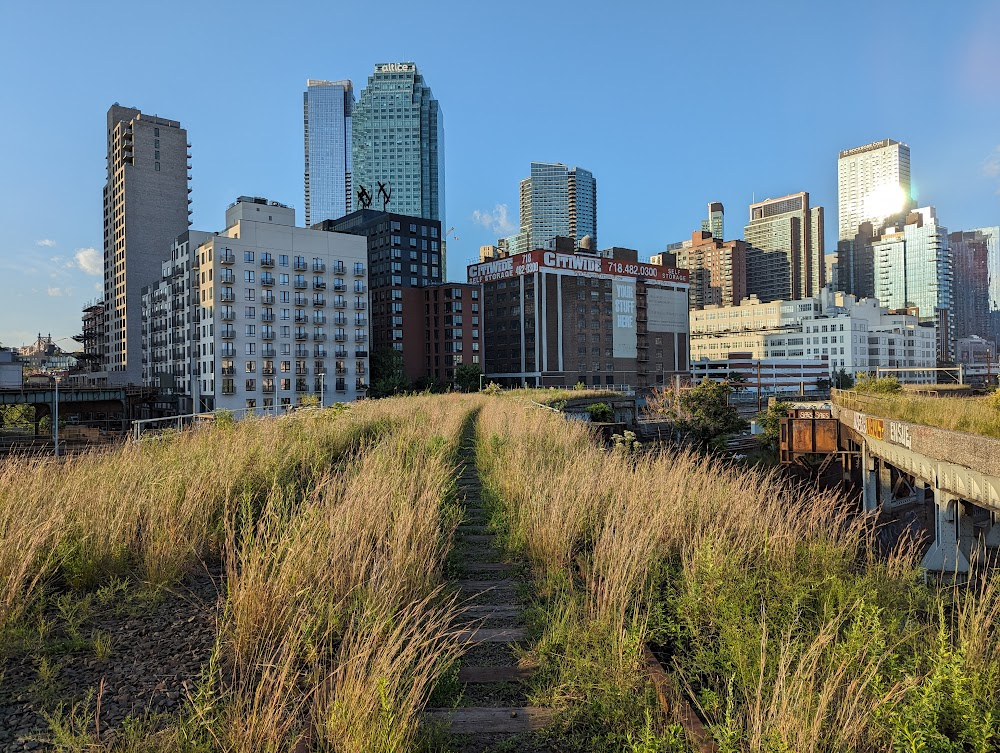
{"points": [[555, 201], [914, 270], [326, 111], [398, 141], [873, 183]]}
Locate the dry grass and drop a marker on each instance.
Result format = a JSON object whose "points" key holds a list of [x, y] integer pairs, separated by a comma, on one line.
{"points": [[973, 415], [791, 632]]}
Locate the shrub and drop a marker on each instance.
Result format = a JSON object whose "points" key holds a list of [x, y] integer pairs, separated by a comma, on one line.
{"points": [[877, 385], [601, 413]]}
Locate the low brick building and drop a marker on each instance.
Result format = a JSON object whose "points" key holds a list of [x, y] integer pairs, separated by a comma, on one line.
{"points": [[441, 331], [558, 318]]}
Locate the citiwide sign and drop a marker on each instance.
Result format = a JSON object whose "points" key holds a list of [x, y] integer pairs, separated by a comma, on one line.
{"points": [[531, 262]]}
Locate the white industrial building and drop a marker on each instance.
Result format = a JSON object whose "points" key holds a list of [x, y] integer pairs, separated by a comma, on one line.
{"points": [[259, 315], [850, 334]]}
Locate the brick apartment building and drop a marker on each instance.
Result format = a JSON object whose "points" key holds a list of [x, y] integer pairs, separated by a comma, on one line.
{"points": [[441, 331], [557, 318]]}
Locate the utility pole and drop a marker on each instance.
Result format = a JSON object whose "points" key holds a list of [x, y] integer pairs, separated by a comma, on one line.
{"points": [[758, 385], [55, 418], [322, 382], [989, 376]]}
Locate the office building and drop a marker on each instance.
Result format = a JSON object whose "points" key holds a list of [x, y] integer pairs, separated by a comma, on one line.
{"points": [[873, 183], [398, 144], [914, 272], [403, 252], [327, 108], [562, 317], [260, 315], [847, 333], [441, 331], [715, 222], [145, 208], [555, 201], [976, 258], [790, 226], [718, 269]]}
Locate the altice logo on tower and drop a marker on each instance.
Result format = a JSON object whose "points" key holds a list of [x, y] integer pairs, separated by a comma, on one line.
{"points": [[395, 67]]}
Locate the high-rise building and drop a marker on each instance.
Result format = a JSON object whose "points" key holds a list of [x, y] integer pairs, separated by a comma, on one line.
{"points": [[790, 226], [326, 112], [914, 272], [398, 144], [260, 315], [561, 317], [976, 259], [715, 222], [718, 269], [555, 201], [145, 209], [403, 252], [873, 183]]}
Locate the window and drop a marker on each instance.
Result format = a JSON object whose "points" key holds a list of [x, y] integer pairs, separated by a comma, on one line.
{"points": [[283, 260], [248, 256], [251, 367], [250, 312], [283, 278], [250, 349], [251, 330], [156, 166], [248, 275], [251, 294], [251, 385]]}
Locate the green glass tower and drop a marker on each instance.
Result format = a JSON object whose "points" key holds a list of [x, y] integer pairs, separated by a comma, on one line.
{"points": [[398, 141]]}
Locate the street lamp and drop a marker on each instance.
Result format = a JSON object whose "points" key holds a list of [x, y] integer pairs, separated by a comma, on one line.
{"points": [[322, 382], [55, 418]]}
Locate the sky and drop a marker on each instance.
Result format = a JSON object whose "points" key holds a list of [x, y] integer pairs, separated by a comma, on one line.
{"points": [[671, 105]]}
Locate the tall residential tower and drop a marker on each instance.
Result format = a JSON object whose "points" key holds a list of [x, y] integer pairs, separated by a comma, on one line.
{"points": [[326, 113], [145, 209], [789, 226], [556, 200], [398, 144], [873, 183]]}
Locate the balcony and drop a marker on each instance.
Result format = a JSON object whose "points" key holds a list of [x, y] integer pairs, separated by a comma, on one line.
{"points": [[340, 318], [319, 317], [267, 388], [300, 336], [301, 352], [267, 371], [267, 280], [338, 268], [359, 270], [300, 385], [319, 301], [319, 337], [228, 370], [227, 297], [340, 371], [267, 298], [361, 384], [227, 277], [301, 284], [339, 303], [339, 287], [319, 267], [340, 353], [360, 337], [227, 257], [228, 350], [267, 334], [359, 287], [319, 352], [300, 265], [360, 353], [360, 305], [301, 371], [227, 333], [228, 389], [360, 320], [266, 260], [267, 316], [319, 285], [301, 300], [340, 337]]}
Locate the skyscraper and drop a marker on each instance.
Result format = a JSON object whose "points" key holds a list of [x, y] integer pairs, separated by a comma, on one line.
{"points": [[556, 200], [976, 258], [326, 111], [914, 271], [145, 209], [790, 226], [715, 222], [398, 142], [873, 182]]}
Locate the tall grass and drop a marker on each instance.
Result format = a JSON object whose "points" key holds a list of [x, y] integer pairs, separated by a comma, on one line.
{"points": [[973, 415], [768, 596]]}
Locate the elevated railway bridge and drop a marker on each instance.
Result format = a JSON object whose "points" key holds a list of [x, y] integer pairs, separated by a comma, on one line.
{"points": [[898, 465]]}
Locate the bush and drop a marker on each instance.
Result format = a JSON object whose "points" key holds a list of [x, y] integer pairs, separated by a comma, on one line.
{"points": [[877, 385], [601, 413]]}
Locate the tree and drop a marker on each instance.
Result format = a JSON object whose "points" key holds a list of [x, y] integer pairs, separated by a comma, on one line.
{"points": [[467, 375], [770, 420], [388, 375], [737, 381], [701, 414], [842, 380]]}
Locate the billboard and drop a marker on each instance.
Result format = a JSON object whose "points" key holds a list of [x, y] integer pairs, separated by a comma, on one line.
{"points": [[533, 261], [624, 332]]}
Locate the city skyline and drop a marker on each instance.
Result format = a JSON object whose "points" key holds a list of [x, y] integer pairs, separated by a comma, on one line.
{"points": [[650, 194]]}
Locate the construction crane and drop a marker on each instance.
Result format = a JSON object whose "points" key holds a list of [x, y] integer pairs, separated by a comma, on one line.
{"points": [[449, 233]]}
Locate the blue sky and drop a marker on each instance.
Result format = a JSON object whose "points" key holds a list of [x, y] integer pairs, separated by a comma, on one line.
{"points": [[670, 105]]}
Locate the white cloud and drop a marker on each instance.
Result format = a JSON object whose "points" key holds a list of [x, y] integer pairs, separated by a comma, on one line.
{"points": [[48, 243], [57, 292], [497, 220], [90, 260]]}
